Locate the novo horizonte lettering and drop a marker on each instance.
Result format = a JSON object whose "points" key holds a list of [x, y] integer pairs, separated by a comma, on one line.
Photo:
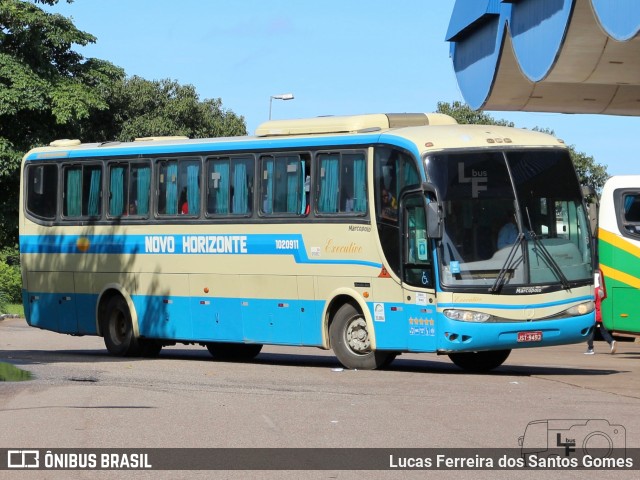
{"points": [[196, 244]]}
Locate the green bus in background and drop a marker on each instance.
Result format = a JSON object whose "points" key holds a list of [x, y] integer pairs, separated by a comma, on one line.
{"points": [[619, 254]]}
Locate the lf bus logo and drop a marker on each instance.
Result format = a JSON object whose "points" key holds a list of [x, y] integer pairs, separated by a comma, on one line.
{"points": [[23, 459], [478, 180], [596, 437]]}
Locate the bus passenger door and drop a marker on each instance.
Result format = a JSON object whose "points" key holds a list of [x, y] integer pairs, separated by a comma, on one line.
{"points": [[417, 274]]}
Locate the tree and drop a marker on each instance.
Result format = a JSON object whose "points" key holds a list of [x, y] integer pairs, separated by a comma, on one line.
{"points": [[46, 90], [464, 114], [151, 108], [589, 172]]}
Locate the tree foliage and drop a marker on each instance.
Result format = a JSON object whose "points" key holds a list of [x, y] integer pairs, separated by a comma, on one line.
{"points": [[46, 90], [150, 108], [464, 114], [49, 91], [588, 170], [10, 279]]}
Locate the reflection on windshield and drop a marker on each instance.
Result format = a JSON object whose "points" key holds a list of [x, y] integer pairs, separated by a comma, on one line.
{"points": [[492, 199]]}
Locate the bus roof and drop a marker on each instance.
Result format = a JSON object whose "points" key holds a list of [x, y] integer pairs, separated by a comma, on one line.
{"points": [[427, 132]]}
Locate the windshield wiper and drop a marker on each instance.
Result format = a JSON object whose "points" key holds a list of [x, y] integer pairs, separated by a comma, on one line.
{"points": [[509, 264], [540, 249]]}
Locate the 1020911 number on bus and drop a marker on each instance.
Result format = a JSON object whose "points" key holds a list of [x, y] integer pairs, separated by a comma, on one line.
{"points": [[287, 244]]}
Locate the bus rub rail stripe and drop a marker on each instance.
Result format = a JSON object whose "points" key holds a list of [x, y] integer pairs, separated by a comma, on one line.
{"points": [[188, 244]]}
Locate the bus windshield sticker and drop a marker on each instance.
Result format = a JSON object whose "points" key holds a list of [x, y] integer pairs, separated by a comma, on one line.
{"points": [[422, 249]]}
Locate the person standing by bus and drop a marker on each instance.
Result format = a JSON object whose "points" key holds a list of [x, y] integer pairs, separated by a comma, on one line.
{"points": [[599, 295]]}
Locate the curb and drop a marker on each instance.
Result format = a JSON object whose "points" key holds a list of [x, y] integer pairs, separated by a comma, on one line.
{"points": [[9, 315]]}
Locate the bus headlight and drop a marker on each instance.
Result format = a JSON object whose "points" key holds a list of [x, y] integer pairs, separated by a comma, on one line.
{"points": [[580, 309], [467, 316]]}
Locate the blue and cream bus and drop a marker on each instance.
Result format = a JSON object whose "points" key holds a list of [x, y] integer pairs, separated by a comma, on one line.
{"points": [[371, 235]]}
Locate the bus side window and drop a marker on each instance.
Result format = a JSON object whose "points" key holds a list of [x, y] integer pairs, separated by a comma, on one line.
{"points": [[230, 185], [139, 189], [342, 183], [283, 184], [118, 181], [82, 191], [218, 186], [42, 190], [179, 187], [632, 213], [241, 192]]}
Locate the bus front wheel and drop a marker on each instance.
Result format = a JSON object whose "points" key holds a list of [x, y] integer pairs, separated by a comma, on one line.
{"points": [[351, 343], [478, 362], [117, 329]]}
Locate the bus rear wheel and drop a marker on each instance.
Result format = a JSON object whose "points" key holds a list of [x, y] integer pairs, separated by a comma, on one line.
{"points": [[117, 329], [350, 341], [478, 362], [234, 351]]}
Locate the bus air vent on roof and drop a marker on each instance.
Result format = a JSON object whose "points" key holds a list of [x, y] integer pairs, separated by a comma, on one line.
{"points": [[351, 124], [65, 142], [160, 138]]}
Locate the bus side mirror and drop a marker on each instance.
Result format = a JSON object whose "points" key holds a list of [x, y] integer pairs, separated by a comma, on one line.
{"points": [[434, 220], [434, 211]]}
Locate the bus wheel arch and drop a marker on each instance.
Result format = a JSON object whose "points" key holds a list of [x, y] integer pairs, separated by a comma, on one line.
{"points": [[351, 335], [337, 300], [117, 322]]}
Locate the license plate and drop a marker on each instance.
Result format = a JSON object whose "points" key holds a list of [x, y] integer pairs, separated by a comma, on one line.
{"points": [[529, 336]]}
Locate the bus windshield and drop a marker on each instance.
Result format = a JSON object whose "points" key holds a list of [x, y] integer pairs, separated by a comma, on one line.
{"points": [[512, 219]]}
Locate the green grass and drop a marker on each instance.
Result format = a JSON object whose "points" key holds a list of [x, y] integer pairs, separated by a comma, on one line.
{"points": [[9, 373], [15, 309]]}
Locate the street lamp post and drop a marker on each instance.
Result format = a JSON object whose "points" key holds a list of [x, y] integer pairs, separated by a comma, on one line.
{"points": [[284, 96]]}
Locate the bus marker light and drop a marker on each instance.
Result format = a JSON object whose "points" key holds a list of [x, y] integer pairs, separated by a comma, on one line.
{"points": [[206, 289], [624, 315], [428, 144], [83, 244], [365, 294]]}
